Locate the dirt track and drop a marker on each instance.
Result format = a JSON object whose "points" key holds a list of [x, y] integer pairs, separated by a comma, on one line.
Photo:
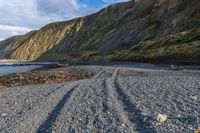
{"points": [[117, 99]]}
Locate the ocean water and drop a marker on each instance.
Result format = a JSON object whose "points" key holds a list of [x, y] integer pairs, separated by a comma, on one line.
{"points": [[11, 68]]}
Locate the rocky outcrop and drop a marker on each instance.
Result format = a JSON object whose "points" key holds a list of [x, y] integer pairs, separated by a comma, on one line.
{"points": [[117, 27]]}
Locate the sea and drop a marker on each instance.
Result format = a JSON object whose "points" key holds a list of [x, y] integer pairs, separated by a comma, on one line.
{"points": [[11, 67]]}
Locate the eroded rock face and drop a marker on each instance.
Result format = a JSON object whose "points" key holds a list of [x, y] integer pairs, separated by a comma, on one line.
{"points": [[116, 27]]}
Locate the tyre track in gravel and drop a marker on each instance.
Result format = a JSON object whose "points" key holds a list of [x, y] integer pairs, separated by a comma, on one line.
{"points": [[31, 116], [107, 120], [17, 118], [24, 108], [105, 101], [92, 109], [87, 108], [169, 97], [46, 126], [132, 112], [115, 107], [163, 95], [25, 96], [76, 113], [108, 102]]}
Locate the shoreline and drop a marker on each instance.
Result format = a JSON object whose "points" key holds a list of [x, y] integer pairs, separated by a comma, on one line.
{"points": [[64, 63], [43, 75], [8, 60], [59, 73]]}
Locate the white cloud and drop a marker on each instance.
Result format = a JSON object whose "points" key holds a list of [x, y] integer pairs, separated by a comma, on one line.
{"points": [[17, 15], [60, 8], [8, 30], [14, 28], [18, 12]]}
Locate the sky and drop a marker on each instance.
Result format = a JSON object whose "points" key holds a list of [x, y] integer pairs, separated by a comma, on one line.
{"points": [[21, 16]]}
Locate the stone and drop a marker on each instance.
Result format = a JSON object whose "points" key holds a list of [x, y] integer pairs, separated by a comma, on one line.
{"points": [[194, 97], [3, 115], [161, 118]]}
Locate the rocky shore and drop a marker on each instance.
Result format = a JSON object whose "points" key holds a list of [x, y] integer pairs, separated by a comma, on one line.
{"points": [[117, 98], [47, 74]]}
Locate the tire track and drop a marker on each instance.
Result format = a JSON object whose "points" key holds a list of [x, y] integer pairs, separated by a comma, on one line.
{"points": [[133, 112], [105, 100], [31, 117], [91, 110], [122, 121], [25, 108], [87, 109], [100, 121], [128, 110], [120, 101], [46, 126], [98, 75]]}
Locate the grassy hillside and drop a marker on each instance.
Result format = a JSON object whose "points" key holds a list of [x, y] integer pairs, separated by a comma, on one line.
{"points": [[143, 30], [181, 47]]}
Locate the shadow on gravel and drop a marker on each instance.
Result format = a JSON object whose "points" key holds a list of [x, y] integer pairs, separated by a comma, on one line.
{"points": [[46, 126], [134, 114], [105, 102]]}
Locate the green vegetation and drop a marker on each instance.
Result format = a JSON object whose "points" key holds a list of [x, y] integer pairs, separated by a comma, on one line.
{"points": [[181, 44], [184, 45]]}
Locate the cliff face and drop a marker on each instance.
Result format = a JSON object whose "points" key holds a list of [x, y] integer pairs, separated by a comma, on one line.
{"points": [[117, 27], [8, 46]]}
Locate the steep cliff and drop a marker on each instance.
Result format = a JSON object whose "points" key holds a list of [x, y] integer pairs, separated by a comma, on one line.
{"points": [[119, 27]]}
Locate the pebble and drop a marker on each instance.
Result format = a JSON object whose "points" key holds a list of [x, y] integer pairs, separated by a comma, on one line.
{"points": [[161, 118], [194, 97], [3, 115]]}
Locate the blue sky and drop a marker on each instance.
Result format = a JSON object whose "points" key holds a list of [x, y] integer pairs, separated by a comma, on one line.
{"points": [[21, 16]]}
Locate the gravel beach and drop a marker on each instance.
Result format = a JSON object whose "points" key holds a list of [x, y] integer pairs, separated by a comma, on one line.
{"points": [[120, 99]]}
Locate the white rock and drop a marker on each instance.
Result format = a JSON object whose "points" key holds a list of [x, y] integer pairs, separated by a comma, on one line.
{"points": [[161, 118], [3, 115], [194, 97]]}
